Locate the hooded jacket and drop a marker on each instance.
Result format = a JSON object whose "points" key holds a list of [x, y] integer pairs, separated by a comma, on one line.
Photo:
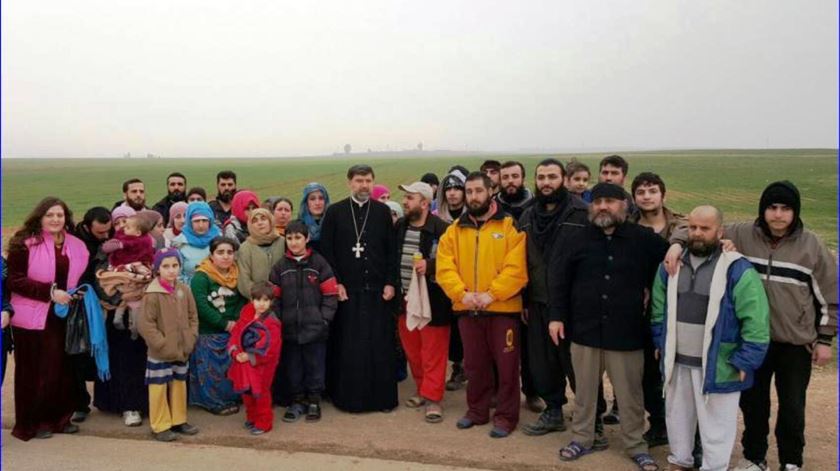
{"points": [[487, 257], [168, 322], [457, 180]]}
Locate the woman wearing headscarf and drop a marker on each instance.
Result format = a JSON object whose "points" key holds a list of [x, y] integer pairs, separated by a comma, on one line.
{"points": [[196, 235], [177, 213], [381, 193], [313, 205], [218, 303], [282, 209], [260, 251], [244, 201]]}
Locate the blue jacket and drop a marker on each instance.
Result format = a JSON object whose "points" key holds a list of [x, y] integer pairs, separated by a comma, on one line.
{"points": [[737, 331]]}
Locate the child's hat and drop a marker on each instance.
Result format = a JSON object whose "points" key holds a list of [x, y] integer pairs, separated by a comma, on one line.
{"points": [[166, 253]]}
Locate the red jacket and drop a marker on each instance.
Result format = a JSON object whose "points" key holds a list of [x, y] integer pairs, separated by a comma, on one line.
{"points": [[134, 249], [262, 339]]}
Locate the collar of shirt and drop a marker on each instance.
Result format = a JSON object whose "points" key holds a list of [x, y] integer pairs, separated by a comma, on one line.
{"points": [[359, 203]]}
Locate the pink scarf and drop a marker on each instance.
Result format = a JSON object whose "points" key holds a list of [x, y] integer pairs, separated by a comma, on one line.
{"points": [[30, 313]]}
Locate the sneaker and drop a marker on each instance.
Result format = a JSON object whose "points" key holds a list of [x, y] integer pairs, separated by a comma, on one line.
{"points": [[313, 412], [185, 429], [132, 418], [458, 378], [294, 412], [611, 417], [464, 423], [165, 436], [656, 436], [551, 420], [535, 404], [79, 416], [498, 432], [790, 467], [747, 465], [256, 431], [248, 425]]}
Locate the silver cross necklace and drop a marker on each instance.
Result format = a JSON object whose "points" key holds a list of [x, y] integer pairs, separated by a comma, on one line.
{"points": [[358, 249]]}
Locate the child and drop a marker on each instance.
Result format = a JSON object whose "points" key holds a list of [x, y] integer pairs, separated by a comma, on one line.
{"points": [[255, 343], [577, 180], [120, 214], [307, 303], [131, 251], [169, 325]]}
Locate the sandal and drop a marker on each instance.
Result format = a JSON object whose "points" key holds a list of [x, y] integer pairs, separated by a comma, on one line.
{"points": [[227, 410], [434, 413], [573, 451], [645, 462], [415, 402]]}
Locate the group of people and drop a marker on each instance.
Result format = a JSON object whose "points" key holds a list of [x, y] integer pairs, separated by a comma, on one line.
{"points": [[229, 302]]}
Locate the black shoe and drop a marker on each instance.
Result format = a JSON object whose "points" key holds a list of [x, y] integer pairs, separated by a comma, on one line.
{"points": [[551, 420], [79, 416], [313, 412], [611, 417], [294, 412], [70, 428], [458, 378], [43, 434], [165, 436], [656, 436], [185, 429]]}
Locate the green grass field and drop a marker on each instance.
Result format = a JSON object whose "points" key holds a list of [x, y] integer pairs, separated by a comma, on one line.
{"points": [[730, 179]]}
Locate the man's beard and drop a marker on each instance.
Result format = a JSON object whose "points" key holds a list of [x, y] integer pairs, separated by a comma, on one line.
{"points": [[362, 196], [226, 196], [605, 220], [518, 193], [137, 205], [177, 196], [701, 248], [555, 197], [478, 211], [413, 215]]}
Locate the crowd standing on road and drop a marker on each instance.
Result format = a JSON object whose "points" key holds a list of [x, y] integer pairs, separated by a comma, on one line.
{"points": [[523, 291]]}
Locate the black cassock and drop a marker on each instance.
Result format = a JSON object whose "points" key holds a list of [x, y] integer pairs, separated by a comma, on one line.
{"points": [[361, 368]]}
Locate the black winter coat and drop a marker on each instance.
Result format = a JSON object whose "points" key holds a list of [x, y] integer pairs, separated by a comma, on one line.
{"points": [[308, 297], [429, 235]]}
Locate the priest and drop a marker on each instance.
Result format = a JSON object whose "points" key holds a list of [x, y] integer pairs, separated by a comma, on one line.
{"points": [[359, 241]]}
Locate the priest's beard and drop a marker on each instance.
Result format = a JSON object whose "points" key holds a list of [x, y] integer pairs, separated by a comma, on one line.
{"points": [[226, 196], [362, 196], [555, 197], [478, 210]]}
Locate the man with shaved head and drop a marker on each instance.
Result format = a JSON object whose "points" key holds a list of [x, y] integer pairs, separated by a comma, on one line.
{"points": [[710, 324]]}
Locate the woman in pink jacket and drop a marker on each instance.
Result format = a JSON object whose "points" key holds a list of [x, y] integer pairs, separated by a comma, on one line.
{"points": [[45, 262]]}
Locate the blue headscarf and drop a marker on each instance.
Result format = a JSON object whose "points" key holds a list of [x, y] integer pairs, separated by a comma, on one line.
{"points": [[303, 212], [195, 240]]}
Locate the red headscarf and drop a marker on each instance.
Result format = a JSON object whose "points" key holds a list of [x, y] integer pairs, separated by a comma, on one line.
{"points": [[240, 203]]}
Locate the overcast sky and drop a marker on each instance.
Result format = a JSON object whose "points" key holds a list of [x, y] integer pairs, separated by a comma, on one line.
{"points": [[272, 78]]}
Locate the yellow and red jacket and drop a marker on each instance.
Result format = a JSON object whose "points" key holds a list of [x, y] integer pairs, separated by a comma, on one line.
{"points": [[489, 257]]}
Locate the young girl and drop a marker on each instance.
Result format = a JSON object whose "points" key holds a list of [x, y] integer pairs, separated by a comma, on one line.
{"points": [[130, 256], [255, 343], [169, 325]]}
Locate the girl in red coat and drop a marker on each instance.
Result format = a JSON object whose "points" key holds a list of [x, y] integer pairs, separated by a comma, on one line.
{"points": [[255, 343]]}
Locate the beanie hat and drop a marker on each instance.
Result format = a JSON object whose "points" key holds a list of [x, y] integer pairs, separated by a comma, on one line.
{"points": [[148, 219], [781, 192], [608, 190], [122, 211], [166, 253], [176, 209], [430, 178]]}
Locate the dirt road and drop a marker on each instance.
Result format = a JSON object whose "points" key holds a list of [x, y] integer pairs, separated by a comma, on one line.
{"points": [[401, 435]]}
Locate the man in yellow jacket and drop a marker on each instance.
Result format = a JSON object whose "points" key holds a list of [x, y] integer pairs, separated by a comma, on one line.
{"points": [[481, 268]]}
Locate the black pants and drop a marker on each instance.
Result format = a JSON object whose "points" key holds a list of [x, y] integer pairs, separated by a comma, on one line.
{"points": [[83, 370], [305, 368], [549, 366], [456, 348], [791, 364], [652, 388]]}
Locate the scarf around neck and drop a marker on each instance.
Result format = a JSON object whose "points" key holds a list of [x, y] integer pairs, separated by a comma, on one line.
{"points": [[228, 280], [255, 237]]}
